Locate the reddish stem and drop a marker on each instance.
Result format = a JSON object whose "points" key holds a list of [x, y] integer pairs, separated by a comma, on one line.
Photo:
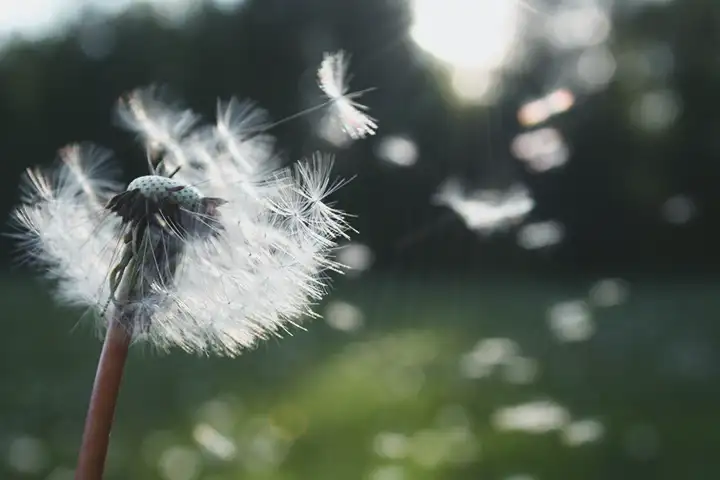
{"points": [[96, 437]]}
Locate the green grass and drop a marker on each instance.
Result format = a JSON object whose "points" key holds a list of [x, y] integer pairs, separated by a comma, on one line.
{"points": [[388, 402]]}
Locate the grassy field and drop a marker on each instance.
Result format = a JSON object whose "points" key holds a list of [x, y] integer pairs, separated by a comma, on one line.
{"points": [[441, 379]]}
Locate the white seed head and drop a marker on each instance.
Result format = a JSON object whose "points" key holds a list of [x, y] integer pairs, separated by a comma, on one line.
{"points": [[259, 264]]}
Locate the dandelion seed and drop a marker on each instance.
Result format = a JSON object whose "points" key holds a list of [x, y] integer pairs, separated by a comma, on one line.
{"points": [[486, 211], [344, 111]]}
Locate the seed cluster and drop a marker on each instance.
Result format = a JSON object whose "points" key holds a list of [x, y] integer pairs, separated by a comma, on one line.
{"points": [[160, 188]]}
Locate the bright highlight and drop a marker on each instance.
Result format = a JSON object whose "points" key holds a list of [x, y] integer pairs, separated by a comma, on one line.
{"points": [[466, 33], [472, 37]]}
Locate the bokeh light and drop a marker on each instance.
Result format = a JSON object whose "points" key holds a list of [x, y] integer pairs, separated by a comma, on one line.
{"points": [[532, 417], [581, 432], [474, 38], [397, 150], [533, 236], [343, 316], [571, 321]]}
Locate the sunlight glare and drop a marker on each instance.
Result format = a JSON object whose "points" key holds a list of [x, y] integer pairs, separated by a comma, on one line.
{"points": [[472, 37], [466, 33]]}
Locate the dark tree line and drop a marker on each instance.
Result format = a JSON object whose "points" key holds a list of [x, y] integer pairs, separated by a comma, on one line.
{"points": [[609, 196]]}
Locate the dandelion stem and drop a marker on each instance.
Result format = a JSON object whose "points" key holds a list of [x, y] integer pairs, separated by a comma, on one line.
{"points": [[101, 411]]}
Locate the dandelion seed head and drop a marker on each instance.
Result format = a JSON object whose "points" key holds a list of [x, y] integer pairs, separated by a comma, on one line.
{"points": [[206, 279]]}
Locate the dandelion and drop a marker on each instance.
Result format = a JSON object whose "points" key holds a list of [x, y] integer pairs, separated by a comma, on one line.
{"points": [[215, 249], [344, 111], [228, 253]]}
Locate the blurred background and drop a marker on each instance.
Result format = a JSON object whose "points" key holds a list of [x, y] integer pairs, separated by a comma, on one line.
{"points": [[533, 288]]}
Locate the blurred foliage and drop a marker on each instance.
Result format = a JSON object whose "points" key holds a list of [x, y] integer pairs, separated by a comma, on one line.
{"points": [[391, 397], [609, 196]]}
